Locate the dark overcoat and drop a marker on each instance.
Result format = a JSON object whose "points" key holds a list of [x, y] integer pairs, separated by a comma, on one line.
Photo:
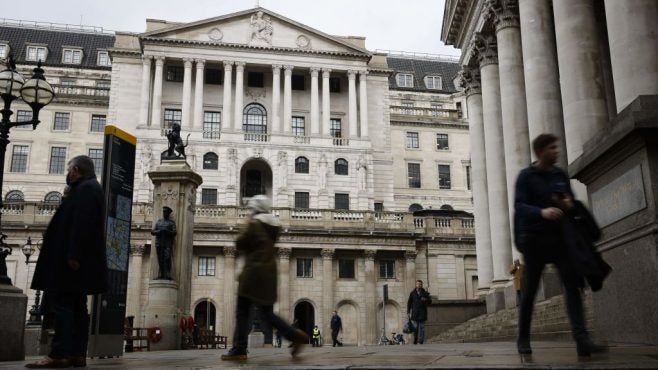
{"points": [[417, 306], [76, 232], [258, 280]]}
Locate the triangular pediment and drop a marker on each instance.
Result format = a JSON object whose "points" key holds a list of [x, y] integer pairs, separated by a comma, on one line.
{"points": [[256, 27]]}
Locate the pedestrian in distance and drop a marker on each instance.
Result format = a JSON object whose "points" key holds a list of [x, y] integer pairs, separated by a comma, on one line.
{"points": [[517, 271], [419, 299], [316, 336], [336, 327], [72, 265]]}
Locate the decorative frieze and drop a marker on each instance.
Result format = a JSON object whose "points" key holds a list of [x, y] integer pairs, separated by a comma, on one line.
{"points": [[327, 254], [503, 13], [284, 253], [485, 49], [137, 249], [370, 254], [469, 79], [230, 252]]}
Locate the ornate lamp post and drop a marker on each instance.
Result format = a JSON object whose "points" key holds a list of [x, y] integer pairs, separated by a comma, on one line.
{"points": [[35, 312], [35, 92]]}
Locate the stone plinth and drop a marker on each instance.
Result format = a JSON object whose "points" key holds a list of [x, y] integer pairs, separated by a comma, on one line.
{"points": [[13, 305], [162, 312]]}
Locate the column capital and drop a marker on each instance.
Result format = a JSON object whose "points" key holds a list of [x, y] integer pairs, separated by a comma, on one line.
{"points": [[326, 72], [239, 66], [159, 60], [351, 74], [200, 63], [137, 249], [327, 254], [363, 75], [370, 254], [228, 64], [230, 252], [187, 62], [410, 255], [284, 253], [485, 49], [503, 13], [276, 68], [288, 70], [469, 79], [146, 60], [315, 71]]}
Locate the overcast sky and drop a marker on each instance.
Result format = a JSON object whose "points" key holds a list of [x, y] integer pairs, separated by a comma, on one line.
{"points": [[411, 25]]}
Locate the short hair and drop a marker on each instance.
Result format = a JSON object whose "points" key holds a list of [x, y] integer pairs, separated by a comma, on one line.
{"points": [[419, 281], [85, 165], [542, 141]]}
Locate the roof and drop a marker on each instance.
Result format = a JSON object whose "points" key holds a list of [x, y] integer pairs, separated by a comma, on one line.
{"points": [[423, 67], [56, 40]]}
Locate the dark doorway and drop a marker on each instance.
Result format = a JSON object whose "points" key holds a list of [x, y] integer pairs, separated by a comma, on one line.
{"points": [[204, 315], [255, 178], [254, 183], [305, 317]]}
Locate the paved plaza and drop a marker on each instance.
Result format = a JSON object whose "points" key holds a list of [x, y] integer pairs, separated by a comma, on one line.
{"points": [[492, 355]]}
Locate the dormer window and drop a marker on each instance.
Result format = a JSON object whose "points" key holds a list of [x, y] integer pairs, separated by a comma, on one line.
{"points": [[103, 59], [4, 51], [405, 80], [72, 56], [36, 53], [433, 82]]}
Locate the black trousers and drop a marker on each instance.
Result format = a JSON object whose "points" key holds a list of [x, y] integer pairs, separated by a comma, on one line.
{"points": [[240, 336], [71, 322], [334, 337]]}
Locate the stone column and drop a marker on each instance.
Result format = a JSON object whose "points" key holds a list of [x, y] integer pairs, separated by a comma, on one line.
{"points": [[581, 79], [315, 102], [146, 89], [287, 98], [327, 291], [239, 96], [326, 105], [226, 99], [370, 329], [409, 271], [276, 98], [187, 93], [229, 291], [542, 78], [198, 95], [351, 76], [632, 33], [501, 246], [133, 306], [156, 112], [284, 283], [13, 305], [363, 102], [470, 79]]}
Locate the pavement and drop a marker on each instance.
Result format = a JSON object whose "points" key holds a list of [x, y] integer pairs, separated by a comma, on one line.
{"points": [[488, 355]]}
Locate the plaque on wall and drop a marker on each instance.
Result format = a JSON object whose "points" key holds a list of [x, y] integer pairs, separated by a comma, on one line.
{"points": [[619, 198]]}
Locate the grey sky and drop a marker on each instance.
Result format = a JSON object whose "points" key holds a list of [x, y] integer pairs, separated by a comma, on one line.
{"points": [[411, 25]]}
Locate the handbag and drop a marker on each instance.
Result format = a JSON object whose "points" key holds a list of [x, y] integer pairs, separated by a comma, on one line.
{"points": [[409, 327]]}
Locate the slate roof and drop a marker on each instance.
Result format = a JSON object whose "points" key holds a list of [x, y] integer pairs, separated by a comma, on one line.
{"points": [[421, 68], [56, 40]]}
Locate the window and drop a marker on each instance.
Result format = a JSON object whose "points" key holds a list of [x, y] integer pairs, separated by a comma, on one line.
{"points": [[36, 53], [62, 121], [412, 140], [24, 116], [68, 87], [298, 126], [406, 107], [210, 161], [468, 177], [302, 200], [213, 76], [458, 106], [297, 82], [96, 156], [54, 197], [14, 196], [436, 109], [102, 88], [211, 125], [72, 56], [255, 79], [442, 142], [172, 116], [175, 73], [206, 266], [4, 51], [209, 196], [19, 158], [444, 176], [254, 119], [103, 59], [98, 123], [379, 207], [433, 82], [301, 165], [335, 128], [387, 269], [413, 174], [341, 167], [334, 84], [342, 201], [346, 268], [405, 80], [305, 267], [57, 160], [415, 208]]}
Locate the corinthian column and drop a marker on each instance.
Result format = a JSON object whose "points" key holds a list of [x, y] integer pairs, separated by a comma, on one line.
{"points": [[353, 124], [226, 99], [198, 95], [239, 95], [363, 102], [229, 290], [326, 105], [156, 112], [187, 93], [276, 98], [315, 101], [327, 288], [370, 329], [410, 270], [146, 87], [287, 98], [284, 282]]}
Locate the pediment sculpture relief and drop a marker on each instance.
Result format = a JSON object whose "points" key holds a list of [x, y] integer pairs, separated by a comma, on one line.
{"points": [[261, 30]]}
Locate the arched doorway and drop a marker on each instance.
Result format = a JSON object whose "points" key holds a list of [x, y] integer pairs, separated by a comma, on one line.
{"points": [[204, 315], [255, 178], [349, 314], [393, 319], [305, 317]]}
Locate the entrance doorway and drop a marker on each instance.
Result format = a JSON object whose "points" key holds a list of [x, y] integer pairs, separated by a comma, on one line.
{"points": [[305, 317], [204, 315], [255, 179]]}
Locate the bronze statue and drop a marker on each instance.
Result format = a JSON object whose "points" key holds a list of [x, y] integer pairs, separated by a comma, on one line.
{"points": [[164, 231], [176, 148]]}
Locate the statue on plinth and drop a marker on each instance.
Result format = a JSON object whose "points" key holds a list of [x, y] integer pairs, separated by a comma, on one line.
{"points": [[176, 148], [164, 231]]}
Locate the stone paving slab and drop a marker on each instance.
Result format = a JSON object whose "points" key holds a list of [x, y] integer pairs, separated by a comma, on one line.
{"points": [[489, 355]]}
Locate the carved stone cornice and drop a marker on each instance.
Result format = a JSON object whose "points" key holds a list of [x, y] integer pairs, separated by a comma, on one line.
{"points": [[284, 253], [327, 254], [370, 254], [410, 256], [230, 251], [137, 250], [485, 49], [469, 79], [502, 13]]}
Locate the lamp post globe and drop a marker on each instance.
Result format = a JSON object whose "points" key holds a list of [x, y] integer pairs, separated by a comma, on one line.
{"points": [[37, 93], [28, 250]]}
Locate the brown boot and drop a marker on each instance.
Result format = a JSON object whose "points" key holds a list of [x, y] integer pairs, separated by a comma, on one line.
{"points": [[301, 339], [49, 363]]}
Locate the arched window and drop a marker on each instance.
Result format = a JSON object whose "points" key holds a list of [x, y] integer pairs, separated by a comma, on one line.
{"points": [[54, 197], [210, 161], [14, 196], [446, 207], [254, 119], [341, 167], [301, 165], [415, 207]]}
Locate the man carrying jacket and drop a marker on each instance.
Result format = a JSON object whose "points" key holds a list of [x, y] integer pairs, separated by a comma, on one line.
{"points": [[419, 299]]}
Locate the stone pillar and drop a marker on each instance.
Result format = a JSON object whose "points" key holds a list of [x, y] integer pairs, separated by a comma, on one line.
{"points": [[156, 112], [542, 78], [326, 105], [226, 99], [133, 306], [175, 185], [284, 283], [370, 329], [229, 292], [470, 79], [187, 93], [632, 33], [460, 276], [146, 89], [351, 76], [581, 79], [276, 98], [327, 292], [198, 95], [239, 96], [287, 98], [13, 305], [409, 271], [363, 102], [315, 102]]}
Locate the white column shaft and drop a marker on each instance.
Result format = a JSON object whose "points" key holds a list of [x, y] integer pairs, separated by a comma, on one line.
{"points": [[198, 95], [239, 96], [352, 114], [326, 104], [327, 294], [146, 89], [276, 98], [315, 102], [187, 94], [156, 113], [226, 99], [363, 101], [287, 98]]}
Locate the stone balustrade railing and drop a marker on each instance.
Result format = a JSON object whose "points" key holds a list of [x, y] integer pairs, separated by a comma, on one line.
{"points": [[425, 112], [78, 90]]}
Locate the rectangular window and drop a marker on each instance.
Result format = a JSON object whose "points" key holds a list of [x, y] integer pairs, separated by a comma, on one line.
{"points": [[36, 53], [255, 79], [305, 267], [298, 126], [72, 56], [62, 121], [211, 125], [19, 158], [346, 268], [209, 196], [444, 176], [103, 88], [4, 48], [433, 82], [413, 173], [103, 59], [206, 266], [96, 156], [405, 80], [412, 140], [302, 200], [68, 87], [98, 122], [24, 116], [458, 106], [213, 76], [57, 160], [334, 84], [442, 142], [172, 116], [297, 82], [342, 201], [468, 177], [387, 269], [379, 207], [335, 128], [175, 73]]}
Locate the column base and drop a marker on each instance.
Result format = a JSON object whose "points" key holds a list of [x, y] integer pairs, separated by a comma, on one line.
{"points": [[13, 305], [162, 312], [495, 300], [256, 339]]}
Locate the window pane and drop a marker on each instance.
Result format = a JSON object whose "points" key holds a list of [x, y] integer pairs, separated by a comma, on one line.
{"points": [[206, 266], [19, 158], [254, 119], [209, 196], [305, 267], [301, 165], [255, 79], [345, 268], [96, 156], [57, 160], [444, 176], [97, 123], [24, 116], [103, 59], [14, 196], [468, 177], [213, 76], [334, 84], [53, 197], [298, 126], [412, 140], [211, 125], [442, 142], [62, 121], [172, 116], [413, 171], [175, 73], [335, 128], [210, 161], [297, 82], [341, 167], [379, 207], [387, 269], [302, 200], [342, 201]]}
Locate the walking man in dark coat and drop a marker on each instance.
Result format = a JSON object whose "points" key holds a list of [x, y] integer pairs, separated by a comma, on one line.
{"points": [[336, 326], [543, 195], [419, 299], [72, 264]]}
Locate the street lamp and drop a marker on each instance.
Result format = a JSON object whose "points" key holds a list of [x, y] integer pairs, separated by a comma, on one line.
{"points": [[35, 92], [35, 312]]}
